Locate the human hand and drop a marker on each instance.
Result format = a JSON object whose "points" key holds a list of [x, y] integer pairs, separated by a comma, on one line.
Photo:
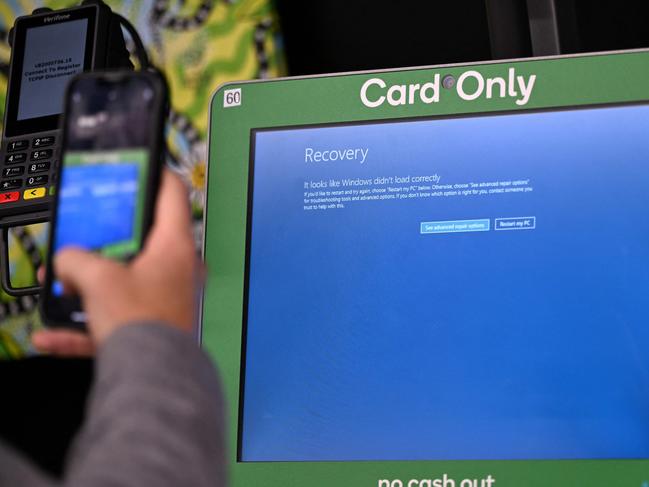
{"points": [[160, 284]]}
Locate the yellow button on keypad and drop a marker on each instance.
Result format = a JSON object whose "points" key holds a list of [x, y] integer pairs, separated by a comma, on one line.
{"points": [[32, 193]]}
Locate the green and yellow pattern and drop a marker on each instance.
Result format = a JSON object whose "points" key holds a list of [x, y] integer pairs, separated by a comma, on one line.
{"points": [[199, 44]]}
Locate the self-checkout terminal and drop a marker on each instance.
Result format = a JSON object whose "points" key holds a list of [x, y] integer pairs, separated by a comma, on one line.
{"points": [[48, 47], [433, 276]]}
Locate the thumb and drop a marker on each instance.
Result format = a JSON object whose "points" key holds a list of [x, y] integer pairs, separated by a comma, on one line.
{"points": [[81, 271]]}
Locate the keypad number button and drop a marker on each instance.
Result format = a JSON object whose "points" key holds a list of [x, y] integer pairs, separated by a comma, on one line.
{"points": [[43, 141], [36, 180], [17, 145], [37, 167], [41, 154], [15, 158], [13, 171]]}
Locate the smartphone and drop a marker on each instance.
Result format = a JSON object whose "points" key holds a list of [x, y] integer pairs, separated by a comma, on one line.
{"points": [[111, 159]]}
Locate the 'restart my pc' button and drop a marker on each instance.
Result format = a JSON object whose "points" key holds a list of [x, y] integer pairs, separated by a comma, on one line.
{"points": [[515, 223]]}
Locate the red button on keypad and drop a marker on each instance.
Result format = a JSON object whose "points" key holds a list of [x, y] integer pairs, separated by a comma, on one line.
{"points": [[9, 197]]}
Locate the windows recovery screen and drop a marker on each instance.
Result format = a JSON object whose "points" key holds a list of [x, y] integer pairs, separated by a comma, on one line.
{"points": [[463, 288]]}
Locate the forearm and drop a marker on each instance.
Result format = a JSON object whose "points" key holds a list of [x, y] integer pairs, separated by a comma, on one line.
{"points": [[154, 416]]}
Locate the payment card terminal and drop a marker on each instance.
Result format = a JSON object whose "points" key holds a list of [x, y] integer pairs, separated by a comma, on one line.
{"points": [[47, 49]]}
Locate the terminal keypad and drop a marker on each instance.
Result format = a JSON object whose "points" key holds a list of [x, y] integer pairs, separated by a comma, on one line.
{"points": [[27, 164]]}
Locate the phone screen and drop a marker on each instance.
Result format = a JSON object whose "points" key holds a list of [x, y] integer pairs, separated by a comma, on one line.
{"points": [[109, 131]]}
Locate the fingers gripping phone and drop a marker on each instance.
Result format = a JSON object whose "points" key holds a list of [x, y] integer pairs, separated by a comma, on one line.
{"points": [[111, 160]]}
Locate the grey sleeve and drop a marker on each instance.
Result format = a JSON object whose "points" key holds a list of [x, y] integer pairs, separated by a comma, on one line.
{"points": [[16, 470], [154, 417]]}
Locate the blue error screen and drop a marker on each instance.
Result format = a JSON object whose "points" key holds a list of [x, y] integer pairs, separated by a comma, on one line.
{"points": [[462, 288]]}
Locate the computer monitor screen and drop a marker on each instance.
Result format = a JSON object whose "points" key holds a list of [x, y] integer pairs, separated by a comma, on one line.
{"points": [[461, 288]]}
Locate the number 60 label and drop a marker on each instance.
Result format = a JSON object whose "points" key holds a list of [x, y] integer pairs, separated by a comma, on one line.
{"points": [[232, 98]]}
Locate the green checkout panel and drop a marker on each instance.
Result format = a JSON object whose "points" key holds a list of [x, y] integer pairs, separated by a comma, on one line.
{"points": [[434, 277]]}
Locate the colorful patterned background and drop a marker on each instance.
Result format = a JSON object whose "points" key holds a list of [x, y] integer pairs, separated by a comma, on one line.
{"points": [[199, 44]]}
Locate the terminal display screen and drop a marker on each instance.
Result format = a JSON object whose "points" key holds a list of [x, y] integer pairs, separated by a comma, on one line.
{"points": [[47, 50], [53, 54], [469, 288]]}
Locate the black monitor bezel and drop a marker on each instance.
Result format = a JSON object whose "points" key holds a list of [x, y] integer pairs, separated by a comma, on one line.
{"points": [[13, 126]]}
